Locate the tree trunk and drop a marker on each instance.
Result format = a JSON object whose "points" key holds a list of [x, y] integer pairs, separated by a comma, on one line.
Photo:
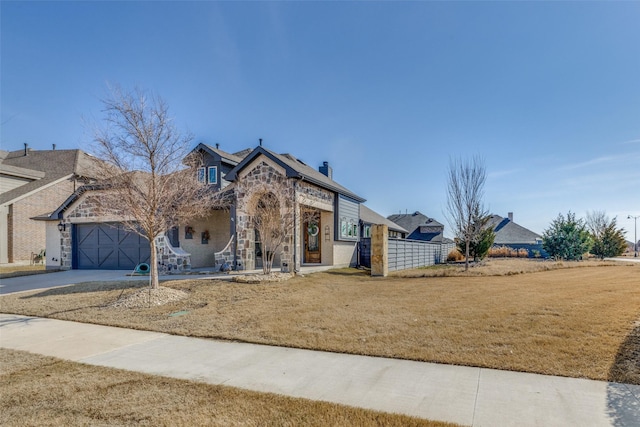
{"points": [[154, 283], [466, 255]]}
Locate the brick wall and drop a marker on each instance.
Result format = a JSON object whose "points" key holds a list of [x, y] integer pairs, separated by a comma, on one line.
{"points": [[27, 235]]}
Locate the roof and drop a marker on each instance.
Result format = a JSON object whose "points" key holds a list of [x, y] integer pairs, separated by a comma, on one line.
{"points": [[294, 168], [414, 220], [233, 159], [46, 167], [372, 217], [508, 232]]}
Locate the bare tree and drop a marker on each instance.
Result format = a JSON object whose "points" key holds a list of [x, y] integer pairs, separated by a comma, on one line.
{"points": [[274, 214], [465, 191], [271, 209], [148, 178]]}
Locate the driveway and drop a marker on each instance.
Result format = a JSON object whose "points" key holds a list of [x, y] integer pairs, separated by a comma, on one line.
{"points": [[71, 277]]}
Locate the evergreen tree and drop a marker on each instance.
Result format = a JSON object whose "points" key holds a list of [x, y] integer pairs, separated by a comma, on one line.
{"points": [[567, 238], [608, 240]]}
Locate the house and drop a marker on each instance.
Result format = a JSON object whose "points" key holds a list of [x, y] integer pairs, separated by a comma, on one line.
{"points": [[369, 217], [324, 231], [32, 184], [420, 227], [514, 236]]}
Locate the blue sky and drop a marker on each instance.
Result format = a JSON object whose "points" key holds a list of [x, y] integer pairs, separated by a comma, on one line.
{"points": [[387, 92]]}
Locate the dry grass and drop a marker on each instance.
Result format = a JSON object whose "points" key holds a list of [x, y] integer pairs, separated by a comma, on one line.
{"points": [[38, 390], [498, 267], [9, 271], [577, 322]]}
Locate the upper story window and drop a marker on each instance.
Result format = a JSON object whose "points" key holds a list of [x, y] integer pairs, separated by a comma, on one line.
{"points": [[208, 175], [213, 175]]}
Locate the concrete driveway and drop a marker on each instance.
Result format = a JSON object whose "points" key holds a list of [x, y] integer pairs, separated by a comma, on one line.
{"points": [[71, 277]]}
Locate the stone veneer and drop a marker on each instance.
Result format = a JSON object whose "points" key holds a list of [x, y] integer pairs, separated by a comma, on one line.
{"points": [[262, 177], [254, 184]]}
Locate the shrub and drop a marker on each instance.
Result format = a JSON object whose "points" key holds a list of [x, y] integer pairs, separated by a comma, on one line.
{"points": [[507, 252], [455, 256]]}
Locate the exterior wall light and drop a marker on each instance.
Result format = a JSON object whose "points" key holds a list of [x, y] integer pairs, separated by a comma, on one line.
{"points": [[62, 226]]}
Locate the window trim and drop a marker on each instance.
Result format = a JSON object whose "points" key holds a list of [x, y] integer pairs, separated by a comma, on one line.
{"points": [[202, 174], [212, 172]]}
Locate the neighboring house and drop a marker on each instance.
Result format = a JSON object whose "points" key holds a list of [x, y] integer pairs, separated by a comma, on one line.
{"points": [[326, 218], [512, 235], [369, 218], [32, 184], [420, 227]]}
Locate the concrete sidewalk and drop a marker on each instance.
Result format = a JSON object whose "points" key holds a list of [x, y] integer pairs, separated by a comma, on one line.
{"points": [[463, 395]]}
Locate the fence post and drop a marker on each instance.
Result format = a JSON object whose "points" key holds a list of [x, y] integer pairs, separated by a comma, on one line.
{"points": [[379, 250]]}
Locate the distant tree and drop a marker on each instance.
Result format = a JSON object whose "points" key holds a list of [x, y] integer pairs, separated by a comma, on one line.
{"points": [[566, 238], [148, 179], [480, 245], [465, 209], [608, 240]]}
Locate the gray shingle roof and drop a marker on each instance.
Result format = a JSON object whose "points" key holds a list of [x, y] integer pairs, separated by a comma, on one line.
{"points": [[231, 158], [53, 164], [295, 168], [414, 220], [508, 232], [371, 217]]}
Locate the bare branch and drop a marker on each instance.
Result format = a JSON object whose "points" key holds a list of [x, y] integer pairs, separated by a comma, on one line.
{"points": [[147, 174]]}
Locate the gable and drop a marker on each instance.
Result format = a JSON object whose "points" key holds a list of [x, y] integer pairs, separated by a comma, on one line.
{"points": [[293, 168]]}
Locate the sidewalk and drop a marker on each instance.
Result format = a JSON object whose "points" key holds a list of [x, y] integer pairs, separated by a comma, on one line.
{"points": [[463, 395]]}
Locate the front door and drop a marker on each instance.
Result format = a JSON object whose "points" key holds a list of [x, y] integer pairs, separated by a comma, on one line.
{"points": [[312, 253]]}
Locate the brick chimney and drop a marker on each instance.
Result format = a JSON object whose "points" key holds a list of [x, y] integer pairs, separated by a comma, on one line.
{"points": [[327, 170]]}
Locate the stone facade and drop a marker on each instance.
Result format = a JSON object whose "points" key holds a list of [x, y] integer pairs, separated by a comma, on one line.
{"points": [[261, 179]]}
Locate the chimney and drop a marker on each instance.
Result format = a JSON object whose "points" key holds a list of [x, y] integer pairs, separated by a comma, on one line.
{"points": [[217, 146], [26, 149], [327, 170], [510, 215], [54, 147], [260, 139]]}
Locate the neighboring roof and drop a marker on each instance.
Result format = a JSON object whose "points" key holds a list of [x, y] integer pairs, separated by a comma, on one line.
{"points": [[51, 164], [294, 168], [233, 159], [508, 232], [20, 172], [372, 217], [414, 220]]}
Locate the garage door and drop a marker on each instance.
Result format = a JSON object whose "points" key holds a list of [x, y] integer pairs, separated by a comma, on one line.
{"points": [[108, 246]]}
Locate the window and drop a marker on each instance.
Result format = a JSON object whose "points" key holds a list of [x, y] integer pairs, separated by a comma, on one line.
{"points": [[367, 231], [201, 174], [343, 227], [213, 175]]}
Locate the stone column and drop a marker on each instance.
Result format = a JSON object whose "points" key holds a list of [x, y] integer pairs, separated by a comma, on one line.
{"points": [[379, 250]]}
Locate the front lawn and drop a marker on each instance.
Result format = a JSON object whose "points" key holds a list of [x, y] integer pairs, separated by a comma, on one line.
{"points": [[577, 322]]}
